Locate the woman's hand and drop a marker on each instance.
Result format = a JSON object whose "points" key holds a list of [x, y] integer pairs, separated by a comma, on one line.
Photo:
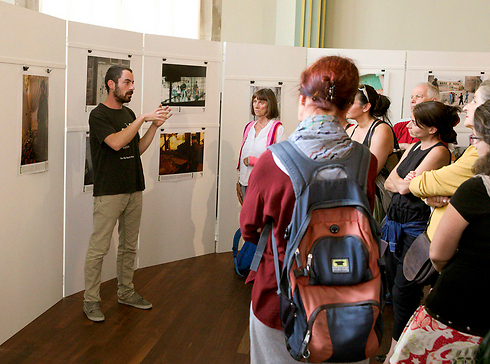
{"points": [[410, 175], [437, 201], [239, 193], [245, 161]]}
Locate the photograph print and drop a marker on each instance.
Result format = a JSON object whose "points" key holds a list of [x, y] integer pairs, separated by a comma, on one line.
{"points": [[181, 153], [34, 120], [375, 80], [183, 85], [88, 177], [455, 89], [96, 70]]}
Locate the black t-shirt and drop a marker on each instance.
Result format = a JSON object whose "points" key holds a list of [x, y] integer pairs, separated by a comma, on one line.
{"points": [[460, 293], [120, 171]]}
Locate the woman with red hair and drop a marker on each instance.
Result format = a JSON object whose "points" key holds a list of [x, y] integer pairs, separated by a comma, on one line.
{"points": [[327, 90]]}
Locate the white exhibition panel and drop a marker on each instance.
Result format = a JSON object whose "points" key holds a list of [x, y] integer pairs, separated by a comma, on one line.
{"points": [[41, 37], [266, 66], [420, 63], [31, 227], [391, 63], [179, 215], [88, 40]]}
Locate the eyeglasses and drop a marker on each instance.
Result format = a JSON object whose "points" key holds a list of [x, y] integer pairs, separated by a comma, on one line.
{"points": [[364, 92], [474, 139]]}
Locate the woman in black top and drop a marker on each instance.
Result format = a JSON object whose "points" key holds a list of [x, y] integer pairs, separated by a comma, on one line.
{"points": [[432, 123], [456, 314], [370, 111]]}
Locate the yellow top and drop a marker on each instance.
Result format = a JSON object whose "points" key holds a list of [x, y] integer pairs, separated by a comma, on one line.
{"points": [[443, 182]]}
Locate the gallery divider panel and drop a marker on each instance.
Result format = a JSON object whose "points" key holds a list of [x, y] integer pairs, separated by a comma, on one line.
{"points": [[31, 227], [179, 208]]}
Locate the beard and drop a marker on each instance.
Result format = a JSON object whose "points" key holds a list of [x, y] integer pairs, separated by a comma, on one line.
{"points": [[122, 98]]}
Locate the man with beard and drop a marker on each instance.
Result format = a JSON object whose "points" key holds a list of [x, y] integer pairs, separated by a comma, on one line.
{"points": [[118, 185]]}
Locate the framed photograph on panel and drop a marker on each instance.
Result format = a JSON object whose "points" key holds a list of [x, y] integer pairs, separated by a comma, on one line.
{"points": [[181, 155], [275, 89], [35, 102], [375, 80], [96, 69], [183, 85], [88, 176], [455, 89]]}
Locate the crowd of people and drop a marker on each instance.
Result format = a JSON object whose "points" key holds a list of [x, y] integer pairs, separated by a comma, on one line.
{"points": [[423, 189], [417, 186]]}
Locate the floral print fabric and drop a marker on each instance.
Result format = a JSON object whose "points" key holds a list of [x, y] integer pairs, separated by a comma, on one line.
{"points": [[427, 340]]}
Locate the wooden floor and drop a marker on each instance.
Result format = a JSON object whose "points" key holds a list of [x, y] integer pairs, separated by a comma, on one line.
{"points": [[199, 315]]}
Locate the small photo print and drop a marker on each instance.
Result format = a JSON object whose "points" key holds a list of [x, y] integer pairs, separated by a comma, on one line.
{"points": [[183, 85], [181, 153], [34, 119], [96, 70], [455, 90], [88, 179], [375, 80]]}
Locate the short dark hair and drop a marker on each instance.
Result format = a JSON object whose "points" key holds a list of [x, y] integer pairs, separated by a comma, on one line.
{"points": [[266, 94], [441, 116], [114, 73]]}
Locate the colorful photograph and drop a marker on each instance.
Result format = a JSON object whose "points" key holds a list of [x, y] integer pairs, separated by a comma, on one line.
{"points": [[181, 153], [34, 119], [375, 80], [183, 85], [455, 90]]}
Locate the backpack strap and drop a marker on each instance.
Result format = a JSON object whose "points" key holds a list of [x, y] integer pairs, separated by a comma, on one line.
{"points": [[271, 136], [288, 153], [245, 135], [264, 236]]}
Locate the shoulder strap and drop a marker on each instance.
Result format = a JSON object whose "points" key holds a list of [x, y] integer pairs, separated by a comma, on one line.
{"points": [[245, 134], [370, 133], [271, 136], [288, 154]]}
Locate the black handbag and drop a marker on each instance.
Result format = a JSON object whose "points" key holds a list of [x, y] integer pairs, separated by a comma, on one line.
{"points": [[417, 265]]}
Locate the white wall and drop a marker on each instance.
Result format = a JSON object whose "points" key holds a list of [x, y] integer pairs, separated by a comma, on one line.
{"points": [[179, 216], [31, 224], [440, 25]]}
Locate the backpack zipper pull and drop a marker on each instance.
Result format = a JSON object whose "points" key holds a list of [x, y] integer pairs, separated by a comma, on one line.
{"points": [[304, 346], [298, 259], [308, 263]]}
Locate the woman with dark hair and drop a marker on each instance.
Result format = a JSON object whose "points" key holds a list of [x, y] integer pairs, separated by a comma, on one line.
{"points": [[407, 216], [327, 90], [258, 135], [370, 111], [456, 317]]}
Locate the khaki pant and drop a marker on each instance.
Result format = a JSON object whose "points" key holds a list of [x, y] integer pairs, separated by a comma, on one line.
{"points": [[125, 208]]}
